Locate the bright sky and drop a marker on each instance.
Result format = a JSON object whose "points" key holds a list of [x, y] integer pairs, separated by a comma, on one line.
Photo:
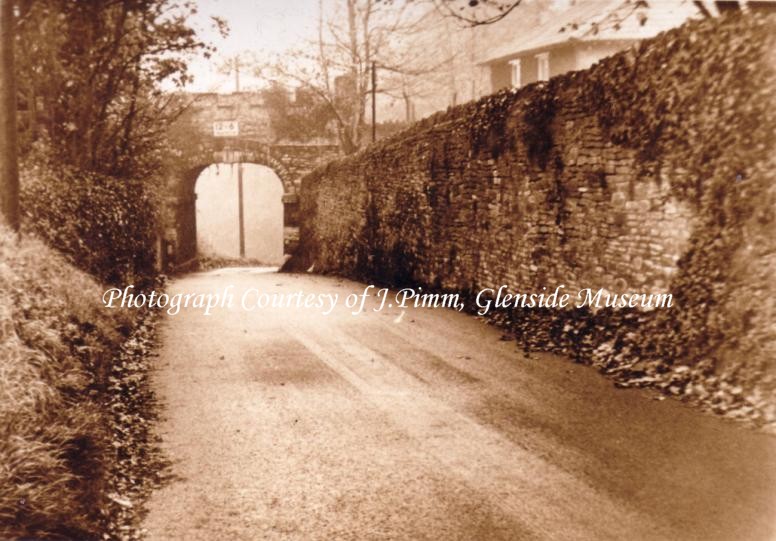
{"points": [[270, 26], [255, 25]]}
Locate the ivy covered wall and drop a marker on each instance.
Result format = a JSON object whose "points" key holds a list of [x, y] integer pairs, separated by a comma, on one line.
{"points": [[653, 171]]}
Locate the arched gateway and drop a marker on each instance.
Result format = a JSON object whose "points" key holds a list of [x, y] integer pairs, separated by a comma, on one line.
{"points": [[227, 129]]}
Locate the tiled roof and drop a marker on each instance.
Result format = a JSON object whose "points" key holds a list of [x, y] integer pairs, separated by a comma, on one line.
{"points": [[599, 20]]}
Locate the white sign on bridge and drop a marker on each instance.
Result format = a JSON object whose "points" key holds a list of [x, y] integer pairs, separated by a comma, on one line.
{"points": [[226, 128]]}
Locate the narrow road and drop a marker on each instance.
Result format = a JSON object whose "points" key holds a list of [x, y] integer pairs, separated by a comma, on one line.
{"points": [[286, 424]]}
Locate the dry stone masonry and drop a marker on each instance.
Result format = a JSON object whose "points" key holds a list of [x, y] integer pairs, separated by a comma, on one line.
{"points": [[651, 172]]}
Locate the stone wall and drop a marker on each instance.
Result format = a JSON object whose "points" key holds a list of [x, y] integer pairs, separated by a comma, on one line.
{"points": [[246, 108], [650, 172]]}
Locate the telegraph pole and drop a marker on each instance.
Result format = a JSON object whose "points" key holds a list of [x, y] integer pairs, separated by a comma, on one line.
{"points": [[374, 102], [9, 169], [237, 73], [241, 208]]}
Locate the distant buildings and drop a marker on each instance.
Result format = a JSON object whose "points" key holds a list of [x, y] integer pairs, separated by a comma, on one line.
{"points": [[577, 37]]}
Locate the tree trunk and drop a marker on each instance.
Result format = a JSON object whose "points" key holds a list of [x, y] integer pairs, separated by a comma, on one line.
{"points": [[9, 172]]}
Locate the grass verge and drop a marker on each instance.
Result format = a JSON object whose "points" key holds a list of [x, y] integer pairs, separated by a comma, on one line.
{"points": [[56, 346]]}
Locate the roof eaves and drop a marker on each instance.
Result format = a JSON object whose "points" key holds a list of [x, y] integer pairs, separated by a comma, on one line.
{"points": [[556, 45], [523, 52]]}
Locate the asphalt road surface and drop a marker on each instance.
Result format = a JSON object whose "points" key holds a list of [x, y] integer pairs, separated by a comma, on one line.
{"points": [[421, 424]]}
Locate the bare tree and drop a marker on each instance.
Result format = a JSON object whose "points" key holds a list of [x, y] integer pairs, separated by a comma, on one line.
{"points": [[482, 12], [476, 12], [336, 67]]}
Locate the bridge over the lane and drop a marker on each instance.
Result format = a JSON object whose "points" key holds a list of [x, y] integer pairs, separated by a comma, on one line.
{"points": [[228, 129]]}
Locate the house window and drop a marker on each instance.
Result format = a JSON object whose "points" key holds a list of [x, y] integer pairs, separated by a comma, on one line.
{"points": [[514, 66], [542, 66]]}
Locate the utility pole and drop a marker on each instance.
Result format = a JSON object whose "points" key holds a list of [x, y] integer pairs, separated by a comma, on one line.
{"points": [[241, 208], [473, 60], [237, 73], [374, 102], [9, 169]]}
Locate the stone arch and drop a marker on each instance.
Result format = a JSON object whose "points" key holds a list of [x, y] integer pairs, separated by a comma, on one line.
{"points": [[257, 154], [186, 197], [195, 146]]}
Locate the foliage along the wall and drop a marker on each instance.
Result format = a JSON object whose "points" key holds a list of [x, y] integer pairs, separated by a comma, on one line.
{"points": [[558, 172]]}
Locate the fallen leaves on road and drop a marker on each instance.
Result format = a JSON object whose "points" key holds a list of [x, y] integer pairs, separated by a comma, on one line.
{"points": [[139, 466], [596, 340]]}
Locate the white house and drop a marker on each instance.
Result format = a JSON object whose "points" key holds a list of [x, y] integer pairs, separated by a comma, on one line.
{"points": [[588, 30]]}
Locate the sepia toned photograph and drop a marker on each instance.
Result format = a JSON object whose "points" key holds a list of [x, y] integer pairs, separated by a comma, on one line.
{"points": [[387, 270]]}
